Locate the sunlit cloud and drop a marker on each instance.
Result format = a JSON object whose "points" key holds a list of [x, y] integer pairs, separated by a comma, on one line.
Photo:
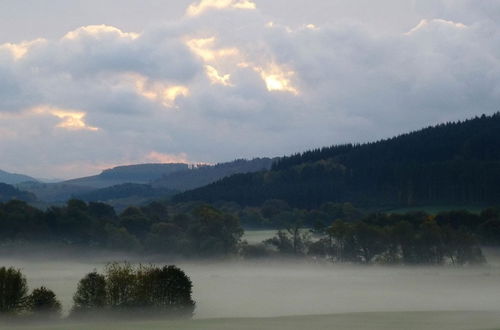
{"points": [[97, 30], [425, 23], [198, 8], [70, 119], [277, 78], [216, 78], [158, 157], [19, 50], [205, 48], [157, 91]]}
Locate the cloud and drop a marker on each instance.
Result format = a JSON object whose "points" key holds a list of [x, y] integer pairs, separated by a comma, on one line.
{"points": [[70, 119], [204, 5], [222, 84], [157, 157]]}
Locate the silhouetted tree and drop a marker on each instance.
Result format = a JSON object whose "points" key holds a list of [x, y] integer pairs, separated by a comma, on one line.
{"points": [[90, 295], [13, 291], [42, 303]]}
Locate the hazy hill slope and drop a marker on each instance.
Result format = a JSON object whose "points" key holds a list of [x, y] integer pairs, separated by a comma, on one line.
{"points": [[8, 192], [453, 163], [12, 178], [135, 183], [142, 173], [203, 175]]}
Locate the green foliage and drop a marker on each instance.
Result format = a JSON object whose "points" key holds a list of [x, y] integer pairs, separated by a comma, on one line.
{"points": [[13, 291], [42, 303]]}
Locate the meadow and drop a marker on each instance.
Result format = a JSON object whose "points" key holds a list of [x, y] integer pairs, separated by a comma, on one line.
{"points": [[350, 321]]}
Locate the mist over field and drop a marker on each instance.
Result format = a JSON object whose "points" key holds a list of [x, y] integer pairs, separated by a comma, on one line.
{"points": [[237, 289]]}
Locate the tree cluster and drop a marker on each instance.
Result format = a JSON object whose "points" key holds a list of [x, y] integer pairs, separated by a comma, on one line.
{"points": [[126, 290], [189, 230], [412, 238], [15, 301], [123, 290]]}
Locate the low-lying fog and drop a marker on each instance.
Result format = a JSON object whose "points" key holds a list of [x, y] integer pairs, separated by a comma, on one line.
{"points": [[271, 288]]}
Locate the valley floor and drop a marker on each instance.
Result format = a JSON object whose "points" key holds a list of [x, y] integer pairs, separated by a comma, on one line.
{"points": [[351, 321]]}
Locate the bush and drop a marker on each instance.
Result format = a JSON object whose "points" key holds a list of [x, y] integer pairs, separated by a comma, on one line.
{"points": [[13, 291], [43, 303]]}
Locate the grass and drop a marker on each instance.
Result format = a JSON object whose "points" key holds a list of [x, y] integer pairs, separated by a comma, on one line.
{"points": [[352, 321]]}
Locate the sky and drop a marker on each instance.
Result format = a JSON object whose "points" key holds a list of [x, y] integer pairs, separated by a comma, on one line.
{"points": [[87, 85]]}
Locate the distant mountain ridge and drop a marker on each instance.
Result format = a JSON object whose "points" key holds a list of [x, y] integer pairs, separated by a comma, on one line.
{"points": [[140, 174], [453, 164], [142, 182], [13, 178]]}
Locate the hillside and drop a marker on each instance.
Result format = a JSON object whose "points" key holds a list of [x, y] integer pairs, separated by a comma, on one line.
{"points": [[454, 163], [141, 174], [8, 192], [135, 184], [202, 175], [12, 178]]}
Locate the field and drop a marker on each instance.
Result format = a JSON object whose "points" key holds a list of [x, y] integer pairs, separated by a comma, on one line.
{"points": [[353, 321], [300, 295]]}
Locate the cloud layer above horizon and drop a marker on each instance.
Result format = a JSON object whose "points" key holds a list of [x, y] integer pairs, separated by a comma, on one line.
{"points": [[225, 81]]}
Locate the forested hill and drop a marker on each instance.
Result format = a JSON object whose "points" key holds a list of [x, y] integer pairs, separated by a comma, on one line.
{"points": [[453, 163], [202, 175]]}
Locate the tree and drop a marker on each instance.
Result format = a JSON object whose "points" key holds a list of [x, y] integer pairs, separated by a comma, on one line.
{"points": [[43, 303], [90, 294], [13, 290], [120, 284], [282, 242], [369, 240], [166, 291], [339, 232]]}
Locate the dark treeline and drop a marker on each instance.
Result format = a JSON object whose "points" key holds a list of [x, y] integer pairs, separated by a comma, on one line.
{"points": [[449, 164], [341, 233], [121, 291], [201, 230], [385, 239], [186, 230]]}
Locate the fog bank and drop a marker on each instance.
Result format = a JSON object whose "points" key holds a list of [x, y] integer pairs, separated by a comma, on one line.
{"points": [[272, 288]]}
